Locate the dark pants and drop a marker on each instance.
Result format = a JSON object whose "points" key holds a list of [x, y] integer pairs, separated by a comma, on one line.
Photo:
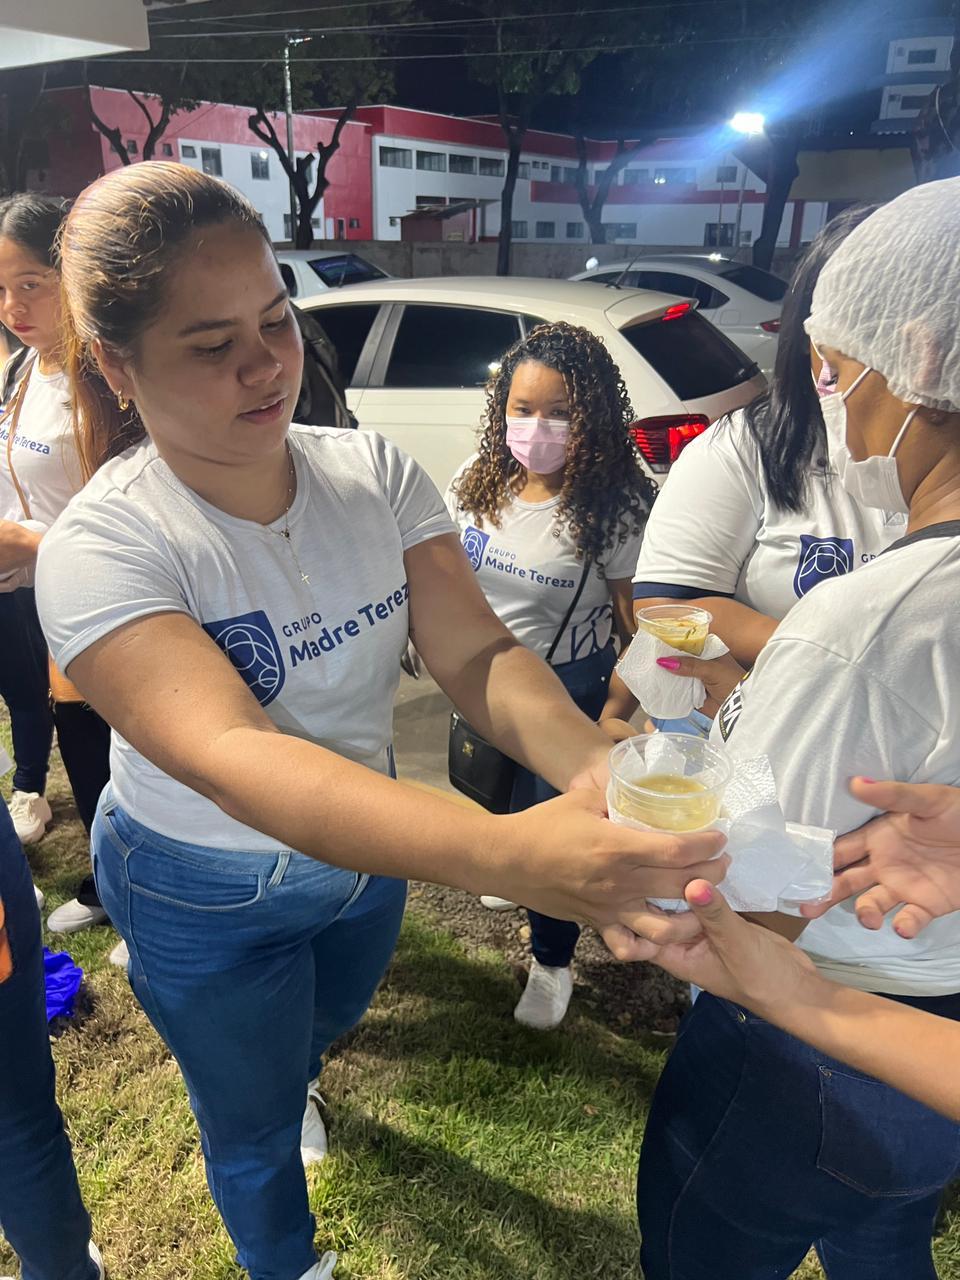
{"points": [[84, 741], [25, 688], [41, 1212], [553, 942], [759, 1147]]}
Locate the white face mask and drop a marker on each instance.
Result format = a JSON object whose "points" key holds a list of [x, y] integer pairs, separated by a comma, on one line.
{"points": [[875, 481]]}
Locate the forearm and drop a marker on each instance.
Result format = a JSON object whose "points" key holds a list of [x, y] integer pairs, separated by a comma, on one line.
{"points": [[908, 1049], [620, 704], [18, 547], [341, 812], [743, 630], [512, 698]]}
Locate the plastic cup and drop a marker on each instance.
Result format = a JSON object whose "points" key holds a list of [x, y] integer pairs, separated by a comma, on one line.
{"points": [[667, 781], [681, 626]]}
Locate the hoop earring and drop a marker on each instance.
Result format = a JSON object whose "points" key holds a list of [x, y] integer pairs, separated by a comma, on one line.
{"points": [[122, 402]]}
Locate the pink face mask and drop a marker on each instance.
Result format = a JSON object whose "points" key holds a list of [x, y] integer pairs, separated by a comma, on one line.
{"points": [[826, 383], [539, 444]]}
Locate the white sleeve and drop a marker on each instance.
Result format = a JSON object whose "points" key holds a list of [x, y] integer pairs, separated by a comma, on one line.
{"points": [[413, 497], [820, 719], [622, 560], [96, 571], [705, 519]]}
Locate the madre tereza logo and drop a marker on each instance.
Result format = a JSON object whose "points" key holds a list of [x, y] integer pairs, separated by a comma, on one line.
{"points": [[251, 644], [820, 559]]}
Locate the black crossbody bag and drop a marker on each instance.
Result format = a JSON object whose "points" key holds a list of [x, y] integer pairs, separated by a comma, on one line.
{"points": [[476, 767]]}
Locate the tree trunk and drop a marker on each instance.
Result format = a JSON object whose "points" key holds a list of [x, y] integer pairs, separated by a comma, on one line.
{"points": [[592, 215], [781, 174], [515, 135]]}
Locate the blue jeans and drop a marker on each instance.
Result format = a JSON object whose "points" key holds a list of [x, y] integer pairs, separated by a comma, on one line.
{"points": [[25, 688], [553, 942], [41, 1212], [758, 1147], [249, 965]]}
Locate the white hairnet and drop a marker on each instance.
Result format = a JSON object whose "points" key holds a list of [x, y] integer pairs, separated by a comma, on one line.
{"points": [[890, 295]]}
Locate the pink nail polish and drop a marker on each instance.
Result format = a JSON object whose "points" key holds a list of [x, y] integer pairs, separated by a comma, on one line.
{"points": [[702, 896], [868, 780], [669, 664]]}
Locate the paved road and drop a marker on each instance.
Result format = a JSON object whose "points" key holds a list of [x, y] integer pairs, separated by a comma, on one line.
{"points": [[421, 720]]}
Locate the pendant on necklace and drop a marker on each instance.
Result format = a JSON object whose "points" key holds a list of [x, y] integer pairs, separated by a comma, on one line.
{"points": [[304, 577]]}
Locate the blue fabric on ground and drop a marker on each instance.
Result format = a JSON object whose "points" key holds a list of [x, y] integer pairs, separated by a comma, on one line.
{"points": [[62, 979]]}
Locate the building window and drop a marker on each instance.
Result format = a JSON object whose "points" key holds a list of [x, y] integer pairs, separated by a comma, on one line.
{"points": [[913, 101], [490, 167], [462, 164], [726, 173], [188, 151], [921, 57], [167, 149], [574, 230], [718, 235], [396, 158], [674, 177], [523, 171], [632, 177], [518, 230], [210, 160], [133, 148], [259, 165], [546, 230], [434, 161], [354, 224], [556, 173], [621, 230]]}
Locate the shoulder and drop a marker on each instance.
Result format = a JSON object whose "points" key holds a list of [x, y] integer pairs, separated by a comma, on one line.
{"points": [[123, 494]]}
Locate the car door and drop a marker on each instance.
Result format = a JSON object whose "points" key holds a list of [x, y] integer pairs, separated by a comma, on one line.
{"points": [[356, 331], [425, 390]]}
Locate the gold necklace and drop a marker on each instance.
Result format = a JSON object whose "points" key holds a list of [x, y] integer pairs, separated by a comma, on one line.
{"points": [[285, 531]]}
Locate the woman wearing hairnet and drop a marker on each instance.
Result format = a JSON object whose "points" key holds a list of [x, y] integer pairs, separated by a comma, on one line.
{"points": [[758, 1146]]}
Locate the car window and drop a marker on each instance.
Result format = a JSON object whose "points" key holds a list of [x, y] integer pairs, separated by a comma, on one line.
{"points": [[692, 357], [289, 279], [449, 346], [755, 280], [682, 285], [345, 268], [531, 322], [347, 328]]}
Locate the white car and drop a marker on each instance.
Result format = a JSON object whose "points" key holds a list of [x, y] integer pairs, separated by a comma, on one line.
{"points": [[307, 271], [743, 300], [416, 355]]}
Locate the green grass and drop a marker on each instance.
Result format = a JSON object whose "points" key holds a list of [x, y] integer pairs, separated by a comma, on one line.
{"points": [[463, 1147]]}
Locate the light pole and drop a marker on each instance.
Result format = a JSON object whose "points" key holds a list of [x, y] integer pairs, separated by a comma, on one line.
{"points": [[751, 124], [288, 103]]}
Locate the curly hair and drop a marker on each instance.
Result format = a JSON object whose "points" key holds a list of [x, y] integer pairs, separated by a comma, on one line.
{"points": [[606, 494]]}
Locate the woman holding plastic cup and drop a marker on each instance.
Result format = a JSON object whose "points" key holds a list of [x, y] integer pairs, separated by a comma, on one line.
{"points": [[757, 1147], [550, 511], [752, 516]]}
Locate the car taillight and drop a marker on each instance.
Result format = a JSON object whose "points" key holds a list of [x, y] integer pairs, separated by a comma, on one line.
{"points": [[677, 310], [662, 440], [770, 326]]}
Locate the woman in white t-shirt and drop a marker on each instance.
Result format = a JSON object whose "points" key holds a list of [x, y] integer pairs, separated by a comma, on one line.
{"points": [[758, 1147], [39, 474], [550, 512], [752, 516], [234, 596]]}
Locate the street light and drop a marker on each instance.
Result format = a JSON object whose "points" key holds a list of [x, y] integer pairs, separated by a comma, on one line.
{"points": [[288, 42], [749, 123]]}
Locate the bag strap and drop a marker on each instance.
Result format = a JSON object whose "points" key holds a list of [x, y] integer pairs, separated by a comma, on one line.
{"points": [[11, 436], [573, 604]]}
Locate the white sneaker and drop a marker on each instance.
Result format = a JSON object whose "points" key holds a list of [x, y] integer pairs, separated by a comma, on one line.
{"points": [[95, 1255], [120, 955], [496, 904], [313, 1132], [320, 1270], [547, 995], [30, 813], [74, 916], [38, 894]]}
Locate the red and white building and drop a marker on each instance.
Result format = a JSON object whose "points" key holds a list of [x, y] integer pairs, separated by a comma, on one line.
{"points": [[393, 161]]}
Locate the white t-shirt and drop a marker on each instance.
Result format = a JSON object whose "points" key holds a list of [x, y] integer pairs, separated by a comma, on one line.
{"points": [[44, 452], [322, 658], [714, 530], [863, 677], [530, 575]]}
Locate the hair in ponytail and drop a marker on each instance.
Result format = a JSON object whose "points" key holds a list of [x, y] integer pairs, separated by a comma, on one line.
{"points": [[117, 248]]}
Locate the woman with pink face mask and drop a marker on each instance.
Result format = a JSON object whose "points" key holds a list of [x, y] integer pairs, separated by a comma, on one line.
{"points": [[551, 512]]}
